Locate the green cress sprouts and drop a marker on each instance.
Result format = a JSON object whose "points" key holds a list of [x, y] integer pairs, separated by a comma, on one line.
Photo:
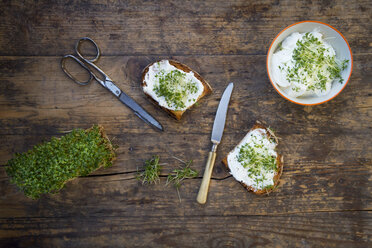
{"points": [[48, 166], [256, 158], [175, 88], [151, 172], [181, 174], [311, 64]]}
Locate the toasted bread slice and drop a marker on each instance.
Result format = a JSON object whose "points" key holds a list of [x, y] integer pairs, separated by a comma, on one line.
{"points": [[176, 113], [279, 163]]}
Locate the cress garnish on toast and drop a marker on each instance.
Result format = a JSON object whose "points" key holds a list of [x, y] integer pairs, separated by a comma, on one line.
{"points": [[254, 161], [173, 86]]}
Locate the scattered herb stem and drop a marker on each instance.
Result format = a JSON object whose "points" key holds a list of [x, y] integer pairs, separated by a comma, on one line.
{"points": [[151, 172], [181, 174]]}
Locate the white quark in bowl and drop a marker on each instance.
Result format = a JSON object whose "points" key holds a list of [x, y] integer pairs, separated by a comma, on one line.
{"points": [[309, 63], [305, 64]]}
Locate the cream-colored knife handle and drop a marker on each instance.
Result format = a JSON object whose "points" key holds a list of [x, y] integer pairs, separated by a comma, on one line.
{"points": [[203, 191]]}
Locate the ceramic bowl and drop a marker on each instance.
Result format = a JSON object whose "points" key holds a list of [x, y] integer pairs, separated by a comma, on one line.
{"points": [[334, 38]]}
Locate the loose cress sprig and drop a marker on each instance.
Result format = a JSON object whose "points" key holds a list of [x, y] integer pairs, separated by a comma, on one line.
{"points": [[181, 174], [175, 88], [151, 172], [48, 166], [152, 168], [310, 62]]}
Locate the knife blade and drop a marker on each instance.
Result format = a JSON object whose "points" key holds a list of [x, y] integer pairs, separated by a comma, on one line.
{"points": [[220, 119], [217, 131], [139, 111]]}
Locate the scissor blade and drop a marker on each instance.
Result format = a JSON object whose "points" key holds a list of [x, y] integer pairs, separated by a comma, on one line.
{"points": [[139, 111]]}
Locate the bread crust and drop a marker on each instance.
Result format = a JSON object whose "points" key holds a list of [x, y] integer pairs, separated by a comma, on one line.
{"points": [[177, 114], [279, 160]]}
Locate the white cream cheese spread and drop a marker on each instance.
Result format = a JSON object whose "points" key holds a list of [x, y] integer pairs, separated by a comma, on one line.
{"points": [[253, 161], [172, 88], [305, 65]]}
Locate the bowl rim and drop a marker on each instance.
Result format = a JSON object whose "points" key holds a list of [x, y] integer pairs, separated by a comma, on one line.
{"points": [[267, 63]]}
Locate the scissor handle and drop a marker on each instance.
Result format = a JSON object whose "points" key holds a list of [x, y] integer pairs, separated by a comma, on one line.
{"points": [[77, 49], [84, 62], [63, 61]]}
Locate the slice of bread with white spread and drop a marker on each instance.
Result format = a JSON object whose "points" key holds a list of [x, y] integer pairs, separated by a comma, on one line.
{"points": [[254, 161], [173, 86]]}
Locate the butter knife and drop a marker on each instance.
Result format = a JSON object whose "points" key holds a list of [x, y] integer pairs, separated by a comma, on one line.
{"points": [[217, 131]]}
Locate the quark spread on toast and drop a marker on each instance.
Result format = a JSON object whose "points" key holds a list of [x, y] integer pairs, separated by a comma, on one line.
{"points": [[253, 162], [306, 65], [172, 88]]}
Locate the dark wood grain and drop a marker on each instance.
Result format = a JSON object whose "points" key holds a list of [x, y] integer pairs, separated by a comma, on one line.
{"points": [[324, 198], [171, 27], [302, 230]]}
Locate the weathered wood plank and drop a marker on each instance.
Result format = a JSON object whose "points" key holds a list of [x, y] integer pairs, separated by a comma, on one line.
{"points": [[327, 154], [35, 107], [346, 229], [315, 190], [171, 27], [324, 199]]}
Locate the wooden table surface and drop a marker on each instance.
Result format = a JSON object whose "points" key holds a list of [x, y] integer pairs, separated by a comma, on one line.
{"points": [[324, 198]]}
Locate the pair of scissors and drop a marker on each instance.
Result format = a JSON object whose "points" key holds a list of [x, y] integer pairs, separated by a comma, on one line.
{"points": [[106, 82]]}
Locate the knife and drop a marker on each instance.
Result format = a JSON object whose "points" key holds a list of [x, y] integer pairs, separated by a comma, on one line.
{"points": [[217, 131]]}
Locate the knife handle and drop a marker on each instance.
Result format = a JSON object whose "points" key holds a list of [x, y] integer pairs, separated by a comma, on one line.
{"points": [[203, 191]]}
